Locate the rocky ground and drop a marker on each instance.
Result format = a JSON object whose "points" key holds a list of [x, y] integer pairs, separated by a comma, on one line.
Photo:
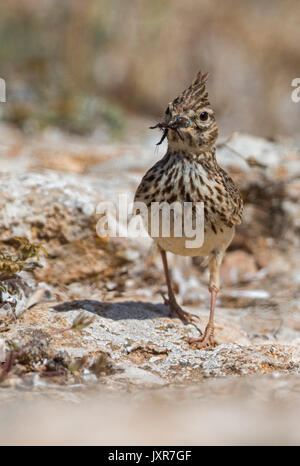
{"points": [[132, 362]]}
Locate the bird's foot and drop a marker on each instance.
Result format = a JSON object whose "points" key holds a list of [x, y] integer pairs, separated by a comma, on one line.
{"points": [[207, 340], [174, 307]]}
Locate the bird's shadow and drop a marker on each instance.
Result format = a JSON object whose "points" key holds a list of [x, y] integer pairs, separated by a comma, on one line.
{"points": [[121, 310]]}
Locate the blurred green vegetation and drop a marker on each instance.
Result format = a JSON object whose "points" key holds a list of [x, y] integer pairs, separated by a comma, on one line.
{"points": [[43, 48], [78, 63]]}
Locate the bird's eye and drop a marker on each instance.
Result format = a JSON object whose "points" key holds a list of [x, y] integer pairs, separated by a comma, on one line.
{"points": [[203, 116]]}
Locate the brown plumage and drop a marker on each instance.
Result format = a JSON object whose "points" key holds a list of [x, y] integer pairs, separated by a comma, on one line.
{"points": [[189, 172]]}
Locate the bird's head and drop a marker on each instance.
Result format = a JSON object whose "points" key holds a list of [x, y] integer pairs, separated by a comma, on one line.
{"points": [[189, 121]]}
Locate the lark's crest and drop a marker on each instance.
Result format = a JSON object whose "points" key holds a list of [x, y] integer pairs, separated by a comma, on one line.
{"points": [[194, 97]]}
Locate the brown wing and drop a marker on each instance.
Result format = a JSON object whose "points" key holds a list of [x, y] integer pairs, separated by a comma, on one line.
{"points": [[234, 212]]}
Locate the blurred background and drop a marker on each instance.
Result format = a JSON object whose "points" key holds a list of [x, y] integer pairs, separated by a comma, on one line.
{"points": [[80, 64]]}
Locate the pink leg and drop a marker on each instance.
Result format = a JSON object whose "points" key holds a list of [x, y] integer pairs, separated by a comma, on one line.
{"points": [[214, 285], [208, 337], [171, 301]]}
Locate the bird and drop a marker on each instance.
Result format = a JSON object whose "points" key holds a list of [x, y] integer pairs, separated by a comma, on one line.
{"points": [[189, 173]]}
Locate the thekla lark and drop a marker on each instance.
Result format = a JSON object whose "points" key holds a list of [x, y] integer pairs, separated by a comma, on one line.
{"points": [[189, 172]]}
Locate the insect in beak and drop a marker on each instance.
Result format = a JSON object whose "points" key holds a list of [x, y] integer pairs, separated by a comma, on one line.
{"points": [[175, 125], [163, 126]]}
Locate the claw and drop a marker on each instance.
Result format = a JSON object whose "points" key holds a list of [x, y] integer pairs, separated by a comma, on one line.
{"points": [[206, 341], [200, 343], [174, 307]]}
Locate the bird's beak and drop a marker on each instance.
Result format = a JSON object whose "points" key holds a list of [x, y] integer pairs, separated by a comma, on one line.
{"points": [[175, 125], [179, 122]]}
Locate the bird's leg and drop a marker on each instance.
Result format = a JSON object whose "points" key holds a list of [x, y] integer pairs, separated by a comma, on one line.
{"points": [[214, 285], [171, 301]]}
